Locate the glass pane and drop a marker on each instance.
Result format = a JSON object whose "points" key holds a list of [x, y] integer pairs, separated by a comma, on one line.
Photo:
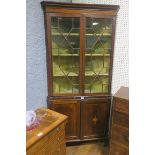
{"points": [[65, 54], [97, 54]]}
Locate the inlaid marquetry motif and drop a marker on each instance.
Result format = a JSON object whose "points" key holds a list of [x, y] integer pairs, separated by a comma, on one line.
{"points": [[94, 120]]}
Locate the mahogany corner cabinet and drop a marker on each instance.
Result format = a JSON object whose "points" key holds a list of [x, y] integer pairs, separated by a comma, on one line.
{"points": [[80, 46]]}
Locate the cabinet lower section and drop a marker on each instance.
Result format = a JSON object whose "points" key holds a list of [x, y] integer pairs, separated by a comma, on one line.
{"points": [[88, 118]]}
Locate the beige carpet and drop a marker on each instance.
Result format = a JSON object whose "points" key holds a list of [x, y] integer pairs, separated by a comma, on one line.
{"points": [[87, 149]]}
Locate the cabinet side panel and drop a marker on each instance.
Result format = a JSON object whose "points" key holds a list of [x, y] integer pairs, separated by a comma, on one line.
{"points": [[47, 23]]}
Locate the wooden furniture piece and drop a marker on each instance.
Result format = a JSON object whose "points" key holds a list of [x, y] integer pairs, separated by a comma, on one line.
{"points": [[80, 46], [119, 140], [49, 137]]}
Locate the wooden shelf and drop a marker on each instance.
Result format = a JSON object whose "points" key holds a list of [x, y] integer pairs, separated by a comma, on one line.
{"points": [[92, 74], [65, 55], [86, 74], [62, 75], [65, 34], [97, 55], [77, 34], [99, 34], [93, 55]]}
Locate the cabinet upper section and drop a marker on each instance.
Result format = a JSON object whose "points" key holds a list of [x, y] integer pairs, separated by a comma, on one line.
{"points": [[80, 45], [76, 7]]}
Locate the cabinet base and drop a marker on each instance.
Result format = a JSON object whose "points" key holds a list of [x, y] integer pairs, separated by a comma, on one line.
{"points": [[80, 142]]}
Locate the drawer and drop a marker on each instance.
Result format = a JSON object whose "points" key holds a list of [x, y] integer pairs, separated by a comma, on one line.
{"points": [[57, 148], [57, 143], [121, 105], [120, 135], [38, 146], [57, 130], [42, 151], [57, 138], [63, 148], [118, 150], [120, 119], [49, 142]]}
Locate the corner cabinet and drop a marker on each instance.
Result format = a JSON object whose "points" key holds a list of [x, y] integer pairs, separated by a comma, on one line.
{"points": [[80, 46]]}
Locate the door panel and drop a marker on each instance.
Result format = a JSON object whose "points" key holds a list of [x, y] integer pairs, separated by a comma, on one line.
{"points": [[71, 108], [97, 55], [65, 35], [95, 118]]}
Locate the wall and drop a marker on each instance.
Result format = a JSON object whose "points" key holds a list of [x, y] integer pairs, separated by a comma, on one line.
{"points": [[121, 61], [36, 79]]}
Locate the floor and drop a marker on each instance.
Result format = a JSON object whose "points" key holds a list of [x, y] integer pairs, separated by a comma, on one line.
{"points": [[87, 149]]}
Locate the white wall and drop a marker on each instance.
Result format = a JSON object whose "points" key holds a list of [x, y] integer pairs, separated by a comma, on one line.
{"points": [[121, 58]]}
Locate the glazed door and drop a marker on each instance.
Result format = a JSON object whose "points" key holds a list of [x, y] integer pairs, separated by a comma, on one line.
{"points": [[65, 55], [81, 55], [97, 57]]}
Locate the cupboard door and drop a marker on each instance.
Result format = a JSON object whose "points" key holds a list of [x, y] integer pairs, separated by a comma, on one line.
{"points": [[94, 118], [71, 108], [98, 51], [65, 43]]}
